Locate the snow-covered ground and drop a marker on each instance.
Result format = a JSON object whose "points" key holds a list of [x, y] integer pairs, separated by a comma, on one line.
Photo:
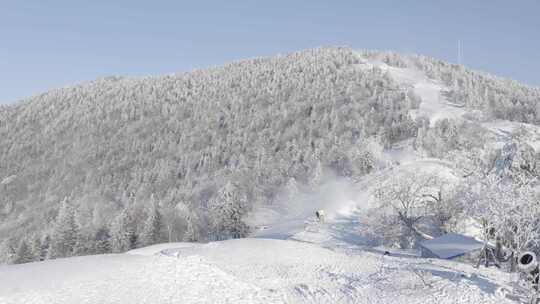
{"points": [[248, 271], [125, 278]]}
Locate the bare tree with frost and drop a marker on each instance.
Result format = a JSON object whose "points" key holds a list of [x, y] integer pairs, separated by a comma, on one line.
{"points": [[407, 204], [509, 212]]}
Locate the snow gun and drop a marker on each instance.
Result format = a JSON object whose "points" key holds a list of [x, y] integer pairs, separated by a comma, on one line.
{"points": [[528, 264]]}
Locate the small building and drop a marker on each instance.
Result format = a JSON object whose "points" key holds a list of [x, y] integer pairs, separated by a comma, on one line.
{"points": [[450, 246]]}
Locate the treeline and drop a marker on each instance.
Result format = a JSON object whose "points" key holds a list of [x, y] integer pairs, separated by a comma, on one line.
{"points": [[68, 237], [135, 226]]}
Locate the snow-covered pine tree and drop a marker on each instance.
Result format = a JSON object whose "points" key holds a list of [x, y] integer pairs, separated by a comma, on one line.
{"points": [[36, 248], [226, 210], [151, 232], [7, 251], [65, 233], [123, 236], [84, 243], [23, 253], [102, 242], [192, 231], [45, 247]]}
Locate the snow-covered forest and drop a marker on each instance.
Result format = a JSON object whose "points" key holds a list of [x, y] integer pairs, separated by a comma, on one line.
{"points": [[120, 163]]}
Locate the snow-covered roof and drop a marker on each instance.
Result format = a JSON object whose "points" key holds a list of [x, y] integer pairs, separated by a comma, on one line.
{"points": [[451, 245]]}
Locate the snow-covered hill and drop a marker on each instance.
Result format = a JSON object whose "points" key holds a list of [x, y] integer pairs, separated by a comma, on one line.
{"points": [[395, 149], [117, 144], [252, 127]]}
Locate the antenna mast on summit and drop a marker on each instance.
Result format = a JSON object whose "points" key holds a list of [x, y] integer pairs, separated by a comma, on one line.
{"points": [[459, 51]]}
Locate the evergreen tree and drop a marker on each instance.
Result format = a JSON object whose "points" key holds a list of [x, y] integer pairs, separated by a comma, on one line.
{"points": [[36, 248], [7, 251], [23, 253], [102, 241], [227, 209], [152, 226], [84, 244], [192, 230], [45, 247], [123, 236], [65, 233]]}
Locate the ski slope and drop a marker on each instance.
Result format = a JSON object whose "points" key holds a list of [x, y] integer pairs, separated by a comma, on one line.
{"points": [[434, 104]]}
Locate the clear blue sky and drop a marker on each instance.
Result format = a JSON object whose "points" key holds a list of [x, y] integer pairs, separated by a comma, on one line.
{"points": [[50, 44]]}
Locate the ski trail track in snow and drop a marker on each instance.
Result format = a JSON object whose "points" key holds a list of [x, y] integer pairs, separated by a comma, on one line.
{"points": [[434, 104]]}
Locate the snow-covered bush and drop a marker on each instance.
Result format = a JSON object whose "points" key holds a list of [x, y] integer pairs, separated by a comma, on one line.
{"points": [[411, 207], [509, 212], [447, 135]]}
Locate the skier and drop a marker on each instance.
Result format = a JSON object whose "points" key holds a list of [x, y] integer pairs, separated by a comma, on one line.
{"points": [[320, 215]]}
